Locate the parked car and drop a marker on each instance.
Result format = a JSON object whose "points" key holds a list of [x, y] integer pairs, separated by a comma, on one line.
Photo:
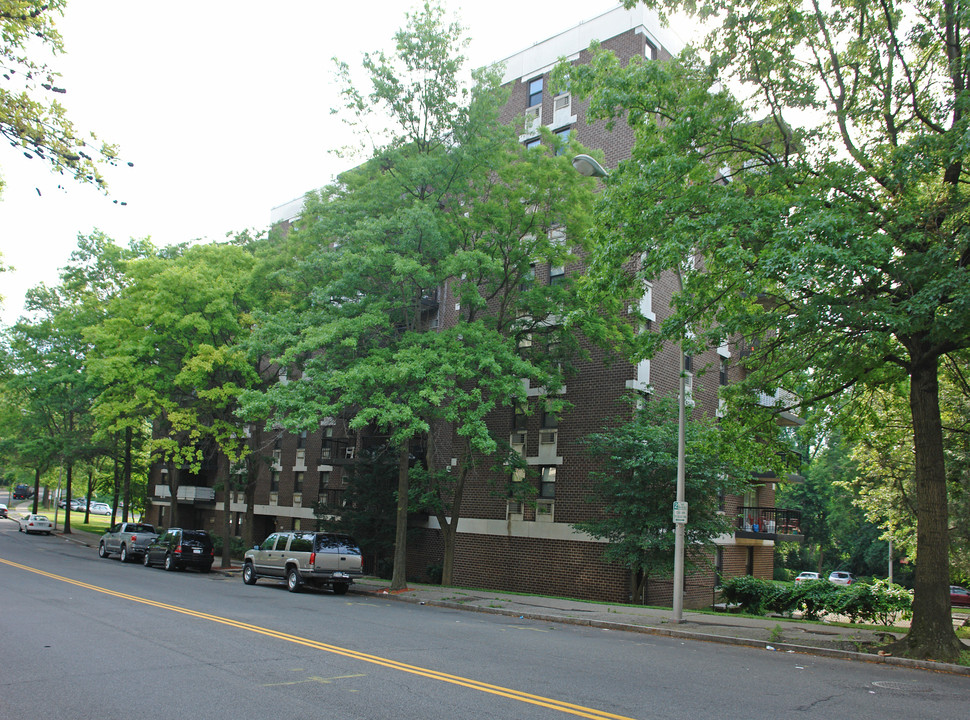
{"points": [[22, 492], [841, 577], [36, 523], [3, 511], [802, 577], [959, 596], [100, 508], [179, 548], [316, 559], [127, 539]]}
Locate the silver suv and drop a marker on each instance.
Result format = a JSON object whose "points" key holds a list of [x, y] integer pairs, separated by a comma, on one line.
{"points": [[841, 577], [317, 559]]}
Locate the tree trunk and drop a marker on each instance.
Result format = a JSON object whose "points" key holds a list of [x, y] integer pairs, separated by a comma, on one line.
{"points": [[931, 633], [70, 496], [126, 477], [37, 494], [227, 518], [399, 575], [116, 497], [173, 489], [449, 528]]}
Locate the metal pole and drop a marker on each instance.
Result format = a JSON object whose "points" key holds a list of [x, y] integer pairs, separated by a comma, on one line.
{"points": [[681, 472], [890, 561], [588, 166]]}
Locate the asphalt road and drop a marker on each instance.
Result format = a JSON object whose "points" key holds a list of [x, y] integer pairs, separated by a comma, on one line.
{"points": [[91, 638]]}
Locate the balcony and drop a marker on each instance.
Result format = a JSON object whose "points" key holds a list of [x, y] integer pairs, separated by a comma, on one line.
{"points": [[786, 404], [337, 452], [769, 523], [187, 493]]}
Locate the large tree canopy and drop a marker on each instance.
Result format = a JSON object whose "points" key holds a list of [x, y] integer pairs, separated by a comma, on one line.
{"points": [[422, 266], [30, 115], [827, 194]]}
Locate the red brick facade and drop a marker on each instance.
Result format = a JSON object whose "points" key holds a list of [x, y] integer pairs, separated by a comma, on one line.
{"points": [[494, 548]]}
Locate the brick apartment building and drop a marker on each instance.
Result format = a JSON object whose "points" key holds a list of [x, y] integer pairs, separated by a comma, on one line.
{"points": [[501, 543]]}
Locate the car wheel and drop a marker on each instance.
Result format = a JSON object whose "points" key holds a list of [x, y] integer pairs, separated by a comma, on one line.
{"points": [[249, 574], [145, 561], [123, 555], [340, 588], [292, 580], [169, 562]]}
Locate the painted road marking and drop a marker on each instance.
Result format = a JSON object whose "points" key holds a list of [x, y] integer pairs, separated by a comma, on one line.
{"points": [[550, 703]]}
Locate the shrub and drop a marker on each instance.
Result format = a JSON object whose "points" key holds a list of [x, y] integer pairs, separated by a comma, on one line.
{"points": [[750, 593], [878, 602], [236, 548], [815, 598]]}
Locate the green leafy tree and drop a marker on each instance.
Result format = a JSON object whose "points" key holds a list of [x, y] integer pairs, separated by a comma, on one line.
{"points": [[884, 487], [367, 506], [49, 372], [635, 487], [827, 195], [448, 216], [174, 348], [30, 115]]}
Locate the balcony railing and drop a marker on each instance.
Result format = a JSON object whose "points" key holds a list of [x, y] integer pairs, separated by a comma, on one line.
{"points": [[768, 522], [187, 493]]}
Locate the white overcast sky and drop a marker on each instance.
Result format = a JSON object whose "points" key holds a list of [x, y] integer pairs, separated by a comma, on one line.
{"points": [[223, 106]]}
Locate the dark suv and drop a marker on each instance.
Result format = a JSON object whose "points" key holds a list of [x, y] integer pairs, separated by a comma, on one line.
{"points": [[178, 548], [23, 492]]}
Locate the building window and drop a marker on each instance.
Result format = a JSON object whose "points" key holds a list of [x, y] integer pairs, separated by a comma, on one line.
{"points": [[535, 92], [301, 440], [563, 136], [528, 279], [298, 481], [723, 375], [533, 143], [520, 421], [324, 480], [547, 482], [688, 363], [557, 273], [326, 444], [274, 481], [549, 419]]}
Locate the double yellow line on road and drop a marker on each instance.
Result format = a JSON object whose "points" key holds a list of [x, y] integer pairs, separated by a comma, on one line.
{"points": [[564, 707]]}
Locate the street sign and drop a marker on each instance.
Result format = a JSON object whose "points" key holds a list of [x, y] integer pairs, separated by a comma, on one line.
{"points": [[680, 512]]}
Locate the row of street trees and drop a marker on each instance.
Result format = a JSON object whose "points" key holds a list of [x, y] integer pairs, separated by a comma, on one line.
{"points": [[837, 246]]}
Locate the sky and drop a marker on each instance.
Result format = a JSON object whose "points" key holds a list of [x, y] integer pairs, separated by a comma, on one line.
{"points": [[223, 107]]}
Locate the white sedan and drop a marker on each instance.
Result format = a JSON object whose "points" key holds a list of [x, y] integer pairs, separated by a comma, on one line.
{"points": [[36, 523]]}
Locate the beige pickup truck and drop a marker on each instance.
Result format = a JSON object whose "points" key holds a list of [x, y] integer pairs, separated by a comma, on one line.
{"points": [[299, 558]]}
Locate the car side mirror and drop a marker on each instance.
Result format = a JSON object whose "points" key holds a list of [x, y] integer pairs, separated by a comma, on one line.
{"points": [[255, 547]]}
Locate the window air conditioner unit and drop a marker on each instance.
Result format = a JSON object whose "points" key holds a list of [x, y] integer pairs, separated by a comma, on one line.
{"points": [[532, 120], [562, 110]]}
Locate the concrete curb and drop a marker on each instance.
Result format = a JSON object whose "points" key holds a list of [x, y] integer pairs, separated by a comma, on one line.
{"points": [[689, 635]]}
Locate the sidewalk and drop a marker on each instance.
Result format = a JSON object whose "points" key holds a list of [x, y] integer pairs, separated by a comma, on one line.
{"points": [[772, 634]]}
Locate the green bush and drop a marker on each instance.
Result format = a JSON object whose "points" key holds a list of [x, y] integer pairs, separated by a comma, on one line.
{"points": [[749, 593], [815, 598], [878, 602], [236, 548]]}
